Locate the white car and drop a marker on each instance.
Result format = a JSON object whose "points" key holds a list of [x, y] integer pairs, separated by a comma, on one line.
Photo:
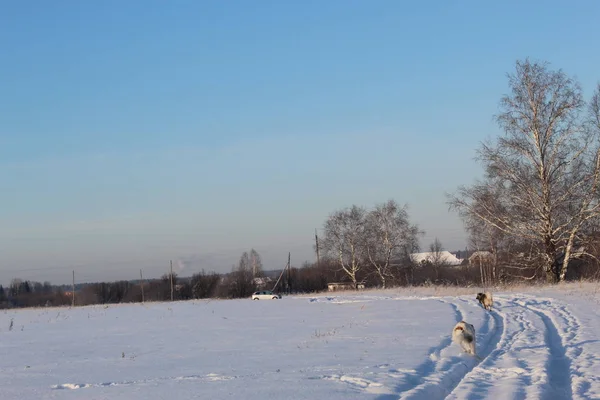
{"points": [[265, 295]]}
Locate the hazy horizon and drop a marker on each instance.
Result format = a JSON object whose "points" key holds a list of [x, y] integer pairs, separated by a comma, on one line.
{"points": [[134, 133]]}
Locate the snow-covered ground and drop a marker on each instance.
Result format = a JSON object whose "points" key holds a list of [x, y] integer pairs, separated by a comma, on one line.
{"points": [[393, 344]]}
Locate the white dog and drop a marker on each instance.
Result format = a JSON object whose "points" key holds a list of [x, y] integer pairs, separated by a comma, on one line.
{"points": [[464, 335]]}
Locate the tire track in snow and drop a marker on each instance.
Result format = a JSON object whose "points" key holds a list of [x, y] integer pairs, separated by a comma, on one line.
{"points": [[429, 367], [412, 377], [545, 355], [502, 363], [564, 381], [558, 366], [448, 374], [581, 360], [572, 325]]}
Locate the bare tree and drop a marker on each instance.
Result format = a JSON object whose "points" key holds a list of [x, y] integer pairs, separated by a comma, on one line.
{"points": [[543, 175], [344, 239], [204, 285], [437, 260], [252, 262], [256, 263], [479, 241], [389, 236], [485, 237], [245, 262], [241, 280]]}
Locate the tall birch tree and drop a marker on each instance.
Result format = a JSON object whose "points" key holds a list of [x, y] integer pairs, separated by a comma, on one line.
{"points": [[543, 174]]}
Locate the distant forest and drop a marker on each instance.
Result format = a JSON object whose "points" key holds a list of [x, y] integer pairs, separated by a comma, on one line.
{"points": [[248, 276]]}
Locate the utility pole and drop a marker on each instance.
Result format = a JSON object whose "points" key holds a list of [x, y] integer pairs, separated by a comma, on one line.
{"points": [[317, 247], [253, 265], [142, 284], [171, 280], [73, 291], [289, 286]]}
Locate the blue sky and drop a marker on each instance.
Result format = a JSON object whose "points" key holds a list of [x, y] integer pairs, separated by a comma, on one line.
{"points": [[135, 132]]}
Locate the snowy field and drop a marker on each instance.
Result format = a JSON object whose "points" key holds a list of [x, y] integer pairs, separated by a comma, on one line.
{"points": [[393, 344]]}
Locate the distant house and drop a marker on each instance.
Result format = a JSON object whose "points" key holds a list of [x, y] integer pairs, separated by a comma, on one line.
{"points": [[332, 287], [483, 256], [442, 256]]}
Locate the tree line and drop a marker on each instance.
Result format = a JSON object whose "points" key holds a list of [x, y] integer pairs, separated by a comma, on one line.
{"points": [[370, 247]]}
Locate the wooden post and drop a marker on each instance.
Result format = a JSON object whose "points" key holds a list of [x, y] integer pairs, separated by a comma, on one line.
{"points": [[142, 284], [73, 291], [317, 247], [171, 280]]}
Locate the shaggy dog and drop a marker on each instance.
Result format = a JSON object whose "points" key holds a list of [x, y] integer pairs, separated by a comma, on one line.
{"points": [[486, 300], [463, 334]]}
